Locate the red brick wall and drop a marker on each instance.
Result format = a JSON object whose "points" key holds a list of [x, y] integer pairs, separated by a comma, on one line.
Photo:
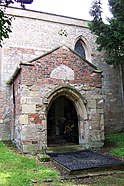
{"points": [[40, 72]]}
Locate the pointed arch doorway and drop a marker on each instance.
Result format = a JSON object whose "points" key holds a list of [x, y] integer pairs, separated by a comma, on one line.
{"points": [[62, 123]]}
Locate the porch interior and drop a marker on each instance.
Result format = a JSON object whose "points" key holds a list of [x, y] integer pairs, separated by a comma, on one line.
{"points": [[62, 124]]}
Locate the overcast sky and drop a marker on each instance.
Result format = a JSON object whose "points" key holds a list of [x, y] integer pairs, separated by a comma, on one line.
{"points": [[72, 8]]}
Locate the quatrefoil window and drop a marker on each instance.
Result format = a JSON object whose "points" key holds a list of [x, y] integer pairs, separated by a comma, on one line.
{"points": [[63, 32]]}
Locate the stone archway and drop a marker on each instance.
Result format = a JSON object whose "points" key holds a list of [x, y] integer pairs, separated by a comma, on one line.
{"points": [[79, 104], [62, 123]]}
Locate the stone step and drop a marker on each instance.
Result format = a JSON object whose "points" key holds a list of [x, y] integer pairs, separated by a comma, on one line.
{"points": [[67, 148]]}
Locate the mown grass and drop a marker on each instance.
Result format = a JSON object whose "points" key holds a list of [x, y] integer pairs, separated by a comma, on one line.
{"points": [[19, 170], [117, 142]]}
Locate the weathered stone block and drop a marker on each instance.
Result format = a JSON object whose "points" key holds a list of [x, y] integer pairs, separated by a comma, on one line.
{"points": [[33, 93], [29, 133], [95, 125], [30, 148], [43, 157], [62, 72], [5, 132], [100, 111], [92, 111], [34, 88], [1, 121], [28, 108], [23, 119], [100, 104], [92, 104], [102, 119], [102, 135], [23, 100], [95, 117], [35, 100], [95, 136], [96, 144]]}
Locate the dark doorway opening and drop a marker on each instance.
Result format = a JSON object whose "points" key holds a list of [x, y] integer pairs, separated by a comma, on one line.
{"points": [[62, 123]]}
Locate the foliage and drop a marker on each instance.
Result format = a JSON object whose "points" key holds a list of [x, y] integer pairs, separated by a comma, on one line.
{"points": [[5, 26], [22, 2], [118, 141], [5, 21], [20, 170], [110, 36]]}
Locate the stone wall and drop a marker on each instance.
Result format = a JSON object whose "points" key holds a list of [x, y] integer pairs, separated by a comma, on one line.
{"points": [[39, 33], [5, 114], [1, 116], [35, 89], [113, 96]]}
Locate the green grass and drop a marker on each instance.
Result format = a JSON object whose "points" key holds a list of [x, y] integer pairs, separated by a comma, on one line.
{"points": [[19, 170], [109, 181], [117, 141]]}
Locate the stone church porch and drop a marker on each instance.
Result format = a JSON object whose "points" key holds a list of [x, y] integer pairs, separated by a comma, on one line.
{"points": [[57, 101]]}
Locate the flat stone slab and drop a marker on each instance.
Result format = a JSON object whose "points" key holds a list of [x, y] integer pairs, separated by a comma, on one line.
{"points": [[85, 159]]}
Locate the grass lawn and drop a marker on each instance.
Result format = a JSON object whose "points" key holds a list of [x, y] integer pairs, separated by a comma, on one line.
{"points": [[19, 170], [116, 143]]}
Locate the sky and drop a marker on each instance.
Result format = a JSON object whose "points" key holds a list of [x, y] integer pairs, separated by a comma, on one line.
{"points": [[72, 8]]}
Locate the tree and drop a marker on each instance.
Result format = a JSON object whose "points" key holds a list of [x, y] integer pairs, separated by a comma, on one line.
{"points": [[5, 21], [110, 36]]}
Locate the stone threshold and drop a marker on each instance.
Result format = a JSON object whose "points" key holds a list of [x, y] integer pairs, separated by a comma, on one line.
{"points": [[65, 148]]}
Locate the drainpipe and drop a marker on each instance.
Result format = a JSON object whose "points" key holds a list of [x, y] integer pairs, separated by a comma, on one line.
{"points": [[13, 122], [122, 89]]}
